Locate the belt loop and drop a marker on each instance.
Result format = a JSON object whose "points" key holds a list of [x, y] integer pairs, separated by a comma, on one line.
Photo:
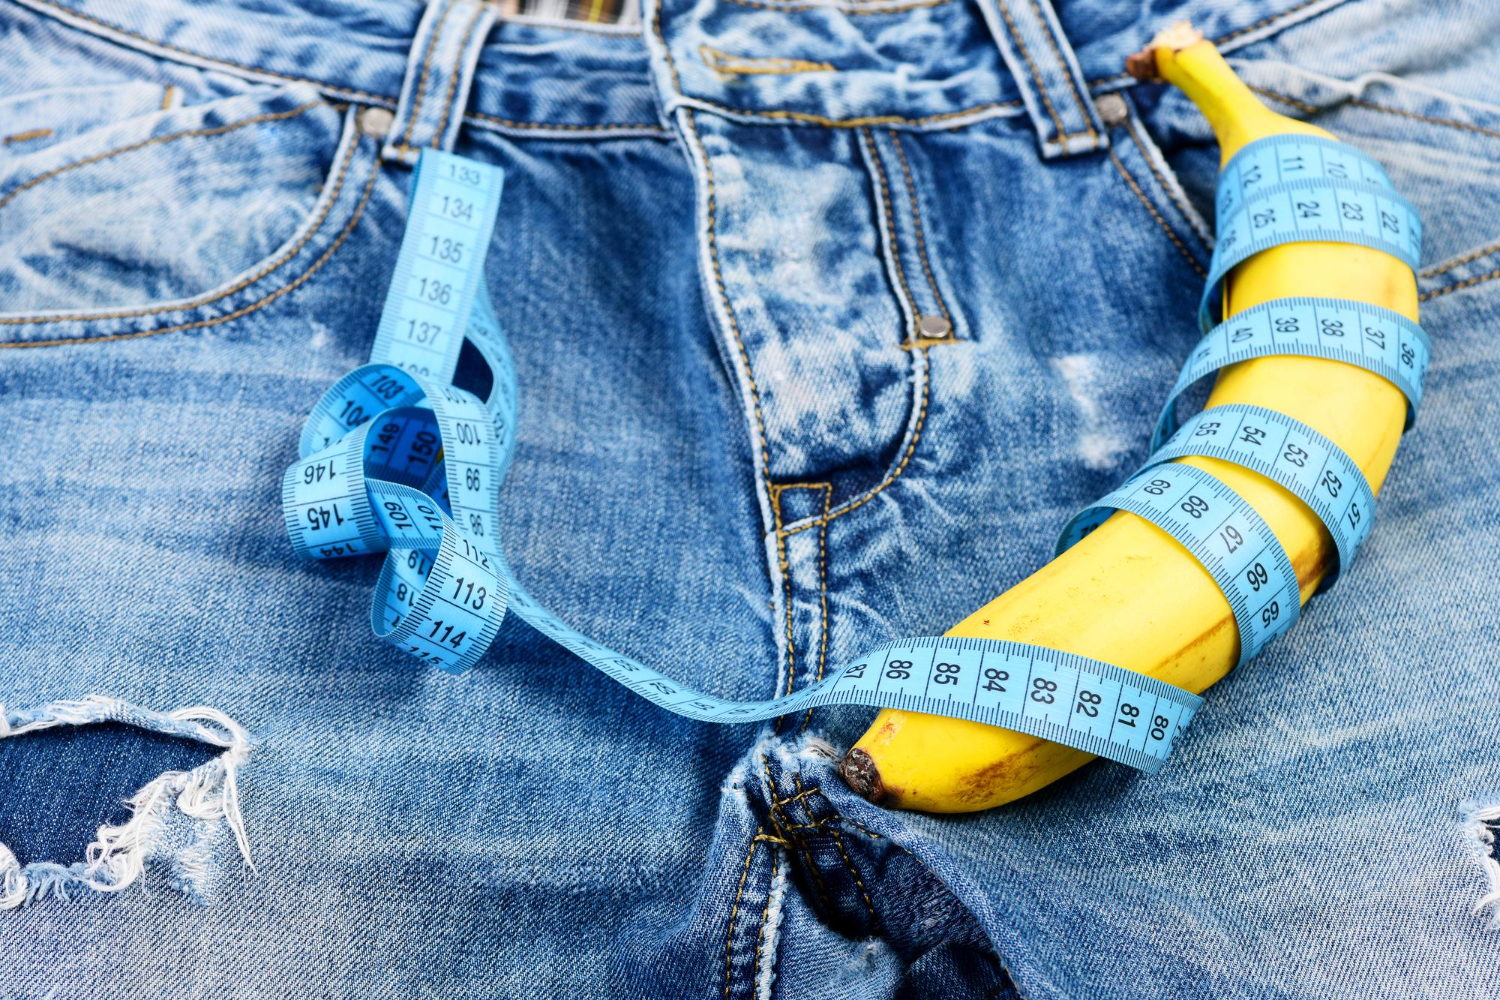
{"points": [[1052, 86], [439, 73]]}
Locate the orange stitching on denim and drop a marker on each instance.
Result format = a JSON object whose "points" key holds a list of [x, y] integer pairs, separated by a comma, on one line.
{"points": [[291, 252], [166, 98], [1161, 181], [1450, 265], [1067, 74], [70, 12], [1036, 76], [734, 912], [244, 310], [890, 215], [839, 8], [1264, 21], [822, 592], [1467, 282], [713, 251], [36, 133], [1181, 247], [666, 49], [760, 938], [726, 64], [911, 448], [785, 567], [453, 76], [1383, 108], [868, 120], [916, 217], [783, 823], [191, 133], [838, 842], [416, 108], [559, 127]]}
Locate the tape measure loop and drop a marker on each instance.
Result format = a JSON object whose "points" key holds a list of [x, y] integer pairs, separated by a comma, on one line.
{"points": [[1291, 189]]}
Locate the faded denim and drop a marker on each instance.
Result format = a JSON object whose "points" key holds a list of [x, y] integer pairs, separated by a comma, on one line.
{"points": [[826, 317]]}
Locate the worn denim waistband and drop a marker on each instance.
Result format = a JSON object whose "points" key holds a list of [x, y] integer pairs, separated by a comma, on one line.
{"points": [[917, 64]]}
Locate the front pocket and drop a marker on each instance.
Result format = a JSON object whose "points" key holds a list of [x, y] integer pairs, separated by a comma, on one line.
{"points": [[168, 211]]}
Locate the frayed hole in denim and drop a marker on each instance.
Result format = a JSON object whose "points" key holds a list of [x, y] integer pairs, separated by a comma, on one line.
{"points": [[178, 816]]}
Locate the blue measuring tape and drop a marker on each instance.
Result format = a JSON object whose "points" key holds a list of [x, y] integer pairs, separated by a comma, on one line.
{"points": [[1293, 189], [395, 459]]}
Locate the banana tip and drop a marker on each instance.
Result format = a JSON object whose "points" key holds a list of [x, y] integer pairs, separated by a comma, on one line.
{"points": [[860, 773], [1142, 64]]}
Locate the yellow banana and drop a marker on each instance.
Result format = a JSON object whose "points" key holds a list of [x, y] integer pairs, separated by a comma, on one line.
{"points": [[1129, 593]]}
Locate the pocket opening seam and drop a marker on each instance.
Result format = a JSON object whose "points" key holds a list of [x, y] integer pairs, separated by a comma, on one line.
{"points": [[216, 130], [266, 300], [217, 294]]}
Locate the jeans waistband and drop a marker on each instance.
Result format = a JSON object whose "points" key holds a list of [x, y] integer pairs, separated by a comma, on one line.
{"points": [[918, 64]]}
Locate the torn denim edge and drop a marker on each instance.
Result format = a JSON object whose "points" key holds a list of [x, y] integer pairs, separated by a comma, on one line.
{"points": [[1478, 823], [117, 856], [775, 908]]}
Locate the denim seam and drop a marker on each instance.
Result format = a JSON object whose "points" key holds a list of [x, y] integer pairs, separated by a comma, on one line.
{"points": [[1161, 181], [1466, 283], [1161, 222], [1222, 39], [765, 913], [1083, 106], [822, 593], [911, 447], [1036, 77], [711, 219], [877, 165], [36, 133], [157, 141], [421, 88], [781, 821], [734, 912], [69, 12], [862, 122], [242, 311], [784, 565], [838, 842], [916, 218], [550, 126], [728, 64], [453, 75], [363, 96], [845, 9], [1386, 109], [1451, 264], [214, 296]]}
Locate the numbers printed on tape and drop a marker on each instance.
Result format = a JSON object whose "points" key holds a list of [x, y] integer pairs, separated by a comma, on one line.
{"points": [[1222, 531], [395, 459], [1366, 336]]}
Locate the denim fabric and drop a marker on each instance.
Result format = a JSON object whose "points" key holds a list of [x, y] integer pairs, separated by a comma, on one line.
{"points": [[744, 457]]}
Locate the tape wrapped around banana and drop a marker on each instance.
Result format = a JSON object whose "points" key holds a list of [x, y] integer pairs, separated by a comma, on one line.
{"points": [[1128, 593]]}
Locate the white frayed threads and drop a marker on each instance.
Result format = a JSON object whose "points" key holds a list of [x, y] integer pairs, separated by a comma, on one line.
{"points": [[1480, 822], [117, 856], [771, 929]]}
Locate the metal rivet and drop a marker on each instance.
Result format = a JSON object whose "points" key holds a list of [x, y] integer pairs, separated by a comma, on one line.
{"points": [[375, 122], [1112, 109], [934, 327]]}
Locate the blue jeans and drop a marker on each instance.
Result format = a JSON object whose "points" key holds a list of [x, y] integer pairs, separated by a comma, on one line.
{"points": [[826, 317]]}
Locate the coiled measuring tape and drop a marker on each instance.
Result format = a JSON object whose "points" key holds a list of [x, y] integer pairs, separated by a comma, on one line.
{"points": [[396, 459]]}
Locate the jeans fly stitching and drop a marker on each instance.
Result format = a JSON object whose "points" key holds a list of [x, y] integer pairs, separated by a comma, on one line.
{"points": [[1165, 227], [416, 109], [453, 76]]}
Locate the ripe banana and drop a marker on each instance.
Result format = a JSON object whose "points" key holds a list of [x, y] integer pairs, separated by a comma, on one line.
{"points": [[1129, 593]]}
